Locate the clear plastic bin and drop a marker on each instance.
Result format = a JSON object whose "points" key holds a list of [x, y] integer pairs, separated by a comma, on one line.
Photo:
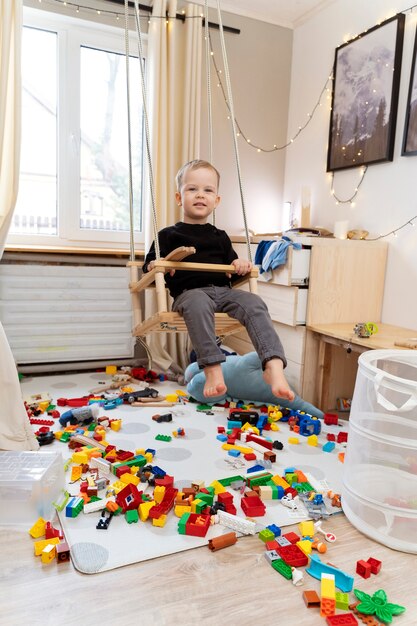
{"points": [[29, 483], [379, 493]]}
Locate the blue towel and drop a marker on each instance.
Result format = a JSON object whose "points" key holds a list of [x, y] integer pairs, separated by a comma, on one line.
{"points": [[272, 254]]}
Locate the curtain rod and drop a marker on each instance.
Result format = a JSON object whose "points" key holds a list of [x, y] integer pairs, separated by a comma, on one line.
{"points": [[178, 16]]}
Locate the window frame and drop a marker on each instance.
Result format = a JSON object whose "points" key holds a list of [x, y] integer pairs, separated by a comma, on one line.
{"points": [[72, 33]]}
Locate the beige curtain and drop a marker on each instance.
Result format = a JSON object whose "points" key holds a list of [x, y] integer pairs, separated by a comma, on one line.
{"points": [[174, 94], [15, 431]]}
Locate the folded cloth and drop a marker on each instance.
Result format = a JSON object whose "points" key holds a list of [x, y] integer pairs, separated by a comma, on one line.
{"points": [[271, 256]]}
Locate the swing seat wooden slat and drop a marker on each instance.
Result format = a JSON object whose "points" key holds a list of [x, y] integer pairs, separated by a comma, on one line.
{"points": [[168, 321]]}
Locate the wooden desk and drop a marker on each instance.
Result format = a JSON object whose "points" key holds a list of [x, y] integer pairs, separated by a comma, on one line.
{"points": [[332, 352]]}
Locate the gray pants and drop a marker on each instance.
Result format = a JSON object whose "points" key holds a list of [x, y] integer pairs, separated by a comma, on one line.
{"points": [[197, 306]]}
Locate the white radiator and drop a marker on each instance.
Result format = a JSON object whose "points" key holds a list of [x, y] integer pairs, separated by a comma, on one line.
{"points": [[66, 313]]}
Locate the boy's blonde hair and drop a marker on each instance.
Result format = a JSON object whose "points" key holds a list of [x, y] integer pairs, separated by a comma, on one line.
{"points": [[194, 165]]}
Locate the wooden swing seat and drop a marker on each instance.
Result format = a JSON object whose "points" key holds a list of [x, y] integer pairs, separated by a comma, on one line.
{"points": [[168, 321]]}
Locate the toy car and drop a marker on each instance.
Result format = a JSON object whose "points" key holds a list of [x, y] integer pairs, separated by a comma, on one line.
{"points": [[132, 396]]}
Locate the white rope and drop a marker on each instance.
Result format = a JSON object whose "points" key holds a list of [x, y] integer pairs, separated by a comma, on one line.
{"points": [[233, 123], [129, 136], [209, 98], [147, 133]]}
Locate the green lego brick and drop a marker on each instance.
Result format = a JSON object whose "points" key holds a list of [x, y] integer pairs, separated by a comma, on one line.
{"points": [[259, 480], [228, 481], [200, 505], [182, 523], [303, 487], [132, 516], [342, 600], [291, 477], [163, 438], [205, 497], [137, 461], [65, 437], [280, 566], [266, 535]]}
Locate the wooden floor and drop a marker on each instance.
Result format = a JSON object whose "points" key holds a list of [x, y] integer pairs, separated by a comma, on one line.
{"points": [[233, 586]]}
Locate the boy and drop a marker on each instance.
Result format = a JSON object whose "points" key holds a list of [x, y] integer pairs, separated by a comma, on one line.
{"points": [[198, 295]]}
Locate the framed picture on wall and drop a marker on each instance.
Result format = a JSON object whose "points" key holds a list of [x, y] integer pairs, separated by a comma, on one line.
{"points": [[366, 80], [410, 127]]}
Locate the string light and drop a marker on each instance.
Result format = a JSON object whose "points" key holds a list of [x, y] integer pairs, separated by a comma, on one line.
{"points": [[257, 147], [355, 193], [394, 232]]}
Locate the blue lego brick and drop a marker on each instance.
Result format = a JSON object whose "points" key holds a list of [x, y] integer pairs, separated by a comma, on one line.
{"points": [[329, 446], [151, 450], [255, 468], [221, 437], [234, 424], [234, 453], [157, 471], [274, 529]]}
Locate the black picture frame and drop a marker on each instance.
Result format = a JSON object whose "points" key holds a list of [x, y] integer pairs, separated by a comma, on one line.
{"points": [[366, 81], [409, 147]]}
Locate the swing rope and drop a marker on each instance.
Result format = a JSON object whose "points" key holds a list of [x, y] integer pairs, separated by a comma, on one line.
{"points": [[233, 123], [146, 123]]}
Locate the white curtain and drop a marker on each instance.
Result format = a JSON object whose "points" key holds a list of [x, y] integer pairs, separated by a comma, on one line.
{"points": [[174, 94], [15, 431]]}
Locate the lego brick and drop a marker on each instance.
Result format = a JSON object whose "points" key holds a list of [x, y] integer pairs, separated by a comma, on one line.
{"points": [[311, 598], [363, 568], [343, 619], [283, 568], [375, 565], [342, 600]]}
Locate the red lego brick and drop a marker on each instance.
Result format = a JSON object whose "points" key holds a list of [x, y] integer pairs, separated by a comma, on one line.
{"points": [[344, 619], [363, 568], [253, 506], [260, 440], [250, 457], [292, 555], [272, 545], [330, 437], [124, 469], [292, 537], [342, 437], [165, 481], [197, 525], [375, 565], [225, 497], [221, 430], [331, 418], [166, 505]]}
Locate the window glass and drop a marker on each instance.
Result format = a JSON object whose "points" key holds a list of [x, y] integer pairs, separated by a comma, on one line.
{"points": [[36, 209]]}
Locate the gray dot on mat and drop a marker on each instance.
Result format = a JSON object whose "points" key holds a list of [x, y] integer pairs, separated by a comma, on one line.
{"points": [[101, 376], [173, 454], [89, 558], [316, 472], [219, 418], [63, 385], [135, 428], [194, 433], [125, 444], [303, 448]]}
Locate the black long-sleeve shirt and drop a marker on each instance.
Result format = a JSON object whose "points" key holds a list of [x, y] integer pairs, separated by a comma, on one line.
{"points": [[212, 246]]}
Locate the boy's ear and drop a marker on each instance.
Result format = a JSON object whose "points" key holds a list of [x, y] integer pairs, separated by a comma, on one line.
{"points": [[178, 197], [217, 201]]}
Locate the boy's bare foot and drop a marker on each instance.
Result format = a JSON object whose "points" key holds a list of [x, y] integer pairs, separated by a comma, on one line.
{"points": [[214, 385], [274, 376]]}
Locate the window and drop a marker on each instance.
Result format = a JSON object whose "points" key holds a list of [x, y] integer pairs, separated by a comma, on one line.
{"points": [[74, 177]]}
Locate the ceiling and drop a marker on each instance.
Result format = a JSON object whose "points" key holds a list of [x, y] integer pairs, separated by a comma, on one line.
{"points": [[288, 13]]}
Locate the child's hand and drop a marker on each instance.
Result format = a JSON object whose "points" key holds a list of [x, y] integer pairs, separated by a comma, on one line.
{"points": [[151, 265], [242, 266]]}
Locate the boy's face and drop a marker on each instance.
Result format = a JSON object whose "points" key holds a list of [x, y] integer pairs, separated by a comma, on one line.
{"points": [[198, 195]]}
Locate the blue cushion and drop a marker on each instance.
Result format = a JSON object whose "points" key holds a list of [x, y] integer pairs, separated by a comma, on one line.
{"points": [[244, 381]]}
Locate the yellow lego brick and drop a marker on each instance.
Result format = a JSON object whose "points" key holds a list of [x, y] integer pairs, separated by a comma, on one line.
{"points": [[307, 528], [76, 472], [149, 457], [48, 553], [38, 528], [305, 545], [274, 427], [242, 449], [58, 434], [194, 504], [312, 440], [130, 479], [144, 509], [293, 440], [111, 370], [118, 486], [280, 482], [42, 406], [171, 397], [180, 509], [140, 451], [247, 426], [91, 481], [80, 457], [218, 487], [41, 545], [116, 425], [160, 521], [174, 433], [327, 587], [159, 493]]}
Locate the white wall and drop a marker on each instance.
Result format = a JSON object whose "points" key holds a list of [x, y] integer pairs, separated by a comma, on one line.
{"points": [[260, 65], [387, 198]]}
